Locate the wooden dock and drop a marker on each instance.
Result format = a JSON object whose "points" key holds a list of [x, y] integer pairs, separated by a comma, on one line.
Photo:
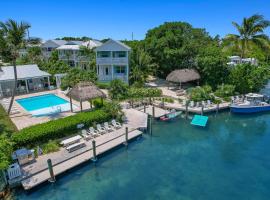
{"points": [[196, 110], [158, 112], [37, 172], [102, 146]]}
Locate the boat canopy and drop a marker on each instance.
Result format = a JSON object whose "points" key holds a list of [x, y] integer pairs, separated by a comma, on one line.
{"points": [[253, 95]]}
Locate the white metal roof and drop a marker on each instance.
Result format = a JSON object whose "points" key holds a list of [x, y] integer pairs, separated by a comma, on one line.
{"points": [[69, 47], [113, 45], [75, 45], [23, 72]]}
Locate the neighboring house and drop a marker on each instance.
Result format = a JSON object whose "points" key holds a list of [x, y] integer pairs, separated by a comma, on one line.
{"points": [[71, 52], [112, 60], [50, 45], [24, 51], [235, 60], [30, 78]]}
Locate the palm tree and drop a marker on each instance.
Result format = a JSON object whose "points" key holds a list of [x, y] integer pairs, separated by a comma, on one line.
{"points": [[12, 38], [250, 33], [141, 66], [87, 54]]}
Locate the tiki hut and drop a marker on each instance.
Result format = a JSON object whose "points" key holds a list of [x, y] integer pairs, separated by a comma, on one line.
{"points": [[84, 91], [183, 76]]}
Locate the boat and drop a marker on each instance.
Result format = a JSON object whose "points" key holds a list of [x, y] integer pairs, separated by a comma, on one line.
{"points": [[170, 116], [252, 103]]}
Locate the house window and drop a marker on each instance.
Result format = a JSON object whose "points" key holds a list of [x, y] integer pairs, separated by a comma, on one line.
{"points": [[49, 49], [107, 71], [103, 54], [120, 69], [119, 54], [71, 63]]}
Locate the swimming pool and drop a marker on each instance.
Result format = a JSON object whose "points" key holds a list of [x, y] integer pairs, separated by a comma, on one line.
{"points": [[44, 104]]}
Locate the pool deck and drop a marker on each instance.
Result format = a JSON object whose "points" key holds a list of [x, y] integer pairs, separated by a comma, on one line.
{"points": [[37, 172], [24, 119]]}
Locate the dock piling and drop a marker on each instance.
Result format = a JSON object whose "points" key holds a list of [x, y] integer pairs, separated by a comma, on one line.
{"points": [[186, 110], [153, 111], [50, 167], [144, 108], [217, 108], [94, 159], [202, 111], [126, 142]]}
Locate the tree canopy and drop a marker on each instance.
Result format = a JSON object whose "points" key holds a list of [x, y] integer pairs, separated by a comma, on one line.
{"points": [[174, 45], [250, 35]]}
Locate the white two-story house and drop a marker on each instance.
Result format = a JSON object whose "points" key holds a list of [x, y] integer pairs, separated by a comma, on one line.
{"points": [[112, 60], [50, 45], [71, 52]]}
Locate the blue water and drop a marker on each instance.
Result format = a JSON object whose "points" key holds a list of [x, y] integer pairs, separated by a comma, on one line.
{"points": [[39, 102], [228, 159]]}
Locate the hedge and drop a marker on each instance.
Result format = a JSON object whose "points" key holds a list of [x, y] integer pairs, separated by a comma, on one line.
{"points": [[56, 129], [144, 92]]}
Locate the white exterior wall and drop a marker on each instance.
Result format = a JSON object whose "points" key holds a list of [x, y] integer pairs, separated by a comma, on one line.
{"points": [[111, 62], [48, 45]]}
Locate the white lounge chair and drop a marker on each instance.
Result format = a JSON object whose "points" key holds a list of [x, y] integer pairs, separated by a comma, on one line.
{"points": [[93, 132], [86, 136], [184, 102], [101, 129], [108, 127], [116, 124]]}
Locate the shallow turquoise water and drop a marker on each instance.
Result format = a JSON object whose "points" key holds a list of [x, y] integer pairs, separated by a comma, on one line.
{"points": [[229, 159], [39, 102]]}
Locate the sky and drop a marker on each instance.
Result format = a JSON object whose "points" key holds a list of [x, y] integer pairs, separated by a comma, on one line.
{"points": [[118, 19]]}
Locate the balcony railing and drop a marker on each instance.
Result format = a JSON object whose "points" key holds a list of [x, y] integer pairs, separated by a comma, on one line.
{"points": [[110, 60], [115, 76]]}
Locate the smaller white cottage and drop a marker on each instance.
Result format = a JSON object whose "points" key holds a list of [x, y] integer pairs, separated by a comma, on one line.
{"points": [[30, 78]]}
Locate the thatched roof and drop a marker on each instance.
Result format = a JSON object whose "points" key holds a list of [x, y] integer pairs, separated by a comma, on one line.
{"points": [[84, 91], [183, 76]]}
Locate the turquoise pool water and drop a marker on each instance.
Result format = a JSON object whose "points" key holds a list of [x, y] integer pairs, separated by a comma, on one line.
{"points": [[40, 102], [229, 159]]}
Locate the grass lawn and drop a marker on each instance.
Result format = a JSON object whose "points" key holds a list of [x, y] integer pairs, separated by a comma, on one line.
{"points": [[6, 125]]}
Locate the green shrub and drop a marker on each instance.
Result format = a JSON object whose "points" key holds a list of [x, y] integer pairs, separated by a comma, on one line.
{"points": [[168, 100], [41, 133], [51, 146], [103, 85], [225, 90], [134, 92], [201, 93], [98, 103], [118, 90]]}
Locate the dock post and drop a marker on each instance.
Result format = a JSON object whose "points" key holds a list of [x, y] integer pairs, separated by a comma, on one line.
{"points": [[94, 159], [126, 142], [153, 111], [202, 111], [151, 123], [186, 110], [217, 108], [144, 108], [50, 167]]}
